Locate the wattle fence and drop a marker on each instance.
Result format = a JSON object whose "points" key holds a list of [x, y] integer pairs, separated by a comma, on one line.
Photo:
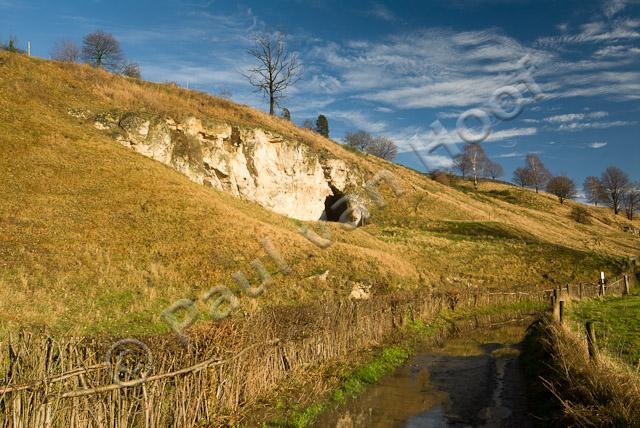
{"points": [[226, 367]]}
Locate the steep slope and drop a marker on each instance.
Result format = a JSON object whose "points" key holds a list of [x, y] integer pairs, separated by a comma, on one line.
{"points": [[97, 237]]}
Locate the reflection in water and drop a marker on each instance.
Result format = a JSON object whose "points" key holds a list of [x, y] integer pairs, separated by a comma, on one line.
{"points": [[473, 381], [432, 418]]}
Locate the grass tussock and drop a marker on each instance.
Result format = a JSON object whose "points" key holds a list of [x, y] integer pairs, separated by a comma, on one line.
{"points": [[605, 393]]}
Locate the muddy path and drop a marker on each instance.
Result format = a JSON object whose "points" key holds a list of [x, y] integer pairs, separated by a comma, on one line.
{"points": [[472, 381]]}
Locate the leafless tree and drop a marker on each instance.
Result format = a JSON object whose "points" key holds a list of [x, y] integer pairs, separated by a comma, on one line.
{"points": [[615, 183], [132, 69], [538, 173], [494, 170], [383, 147], [563, 187], [308, 124], [359, 140], [593, 190], [101, 49], [462, 165], [522, 176], [224, 93], [65, 50], [474, 160], [276, 70], [631, 200]]}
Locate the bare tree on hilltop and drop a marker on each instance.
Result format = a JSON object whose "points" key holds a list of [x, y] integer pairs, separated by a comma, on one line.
{"points": [[615, 183], [563, 187], [631, 200], [494, 170], [132, 69], [533, 174], [276, 70], [384, 148], [473, 160], [538, 173], [381, 147], [65, 50], [358, 140], [593, 190], [102, 50]]}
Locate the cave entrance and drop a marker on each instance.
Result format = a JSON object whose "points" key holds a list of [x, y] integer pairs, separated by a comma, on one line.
{"points": [[332, 212]]}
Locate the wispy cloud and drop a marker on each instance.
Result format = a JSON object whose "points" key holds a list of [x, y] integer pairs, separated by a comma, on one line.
{"points": [[434, 68], [423, 139], [577, 126], [612, 7], [382, 12], [510, 155], [597, 145], [359, 120], [572, 117]]}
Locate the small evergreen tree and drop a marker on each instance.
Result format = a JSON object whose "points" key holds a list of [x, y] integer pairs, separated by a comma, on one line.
{"points": [[322, 126], [286, 114]]}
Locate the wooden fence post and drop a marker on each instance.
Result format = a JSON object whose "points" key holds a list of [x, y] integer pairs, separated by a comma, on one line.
{"points": [[568, 291], [591, 340], [561, 311], [580, 292], [626, 285]]}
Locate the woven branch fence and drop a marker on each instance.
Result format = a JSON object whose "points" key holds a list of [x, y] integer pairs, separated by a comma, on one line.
{"points": [[225, 368]]}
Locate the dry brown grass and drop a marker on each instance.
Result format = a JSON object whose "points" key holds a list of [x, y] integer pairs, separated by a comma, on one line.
{"points": [[602, 393], [95, 238]]}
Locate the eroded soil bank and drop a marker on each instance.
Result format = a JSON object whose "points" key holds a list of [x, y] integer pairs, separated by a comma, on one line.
{"points": [[474, 380]]}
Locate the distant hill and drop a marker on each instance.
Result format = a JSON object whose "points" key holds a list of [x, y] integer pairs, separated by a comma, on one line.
{"points": [[120, 196]]}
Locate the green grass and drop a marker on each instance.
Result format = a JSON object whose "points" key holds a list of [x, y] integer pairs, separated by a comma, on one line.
{"points": [[617, 321], [384, 362]]}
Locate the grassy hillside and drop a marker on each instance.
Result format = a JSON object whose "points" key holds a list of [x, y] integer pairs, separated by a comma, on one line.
{"points": [[96, 238]]}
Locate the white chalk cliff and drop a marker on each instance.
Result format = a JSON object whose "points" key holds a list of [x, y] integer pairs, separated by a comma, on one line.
{"points": [[284, 176]]}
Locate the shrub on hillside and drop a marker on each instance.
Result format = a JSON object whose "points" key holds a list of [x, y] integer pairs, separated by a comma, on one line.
{"points": [[441, 177], [581, 215]]}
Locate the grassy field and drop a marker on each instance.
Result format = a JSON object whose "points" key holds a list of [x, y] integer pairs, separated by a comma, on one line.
{"points": [[95, 238], [617, 321]]}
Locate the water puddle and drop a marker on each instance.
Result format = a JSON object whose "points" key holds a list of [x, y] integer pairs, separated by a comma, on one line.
{"points": [[472, 381]]}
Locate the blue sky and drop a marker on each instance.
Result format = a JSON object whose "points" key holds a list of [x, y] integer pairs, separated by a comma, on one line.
{"points": [[393, 68]]}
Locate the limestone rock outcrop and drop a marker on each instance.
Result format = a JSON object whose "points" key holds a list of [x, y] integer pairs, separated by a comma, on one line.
{"points": [[284, 176]]}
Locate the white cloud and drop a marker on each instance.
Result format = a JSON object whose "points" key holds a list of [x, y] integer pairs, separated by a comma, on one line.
{"points": [[423, 140], [381, 11], [617, 51], [612, 7], [576, 126], [359, 120], [510, 155], [511, 133], [572, 117], [594, 32], [430, 68], [185, 72], [597, 145]]}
